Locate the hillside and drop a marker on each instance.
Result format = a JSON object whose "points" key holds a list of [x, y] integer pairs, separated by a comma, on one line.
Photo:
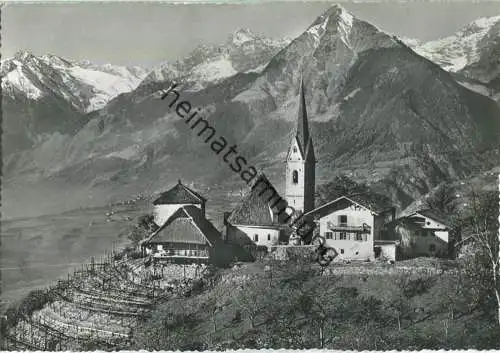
{"points": [[379, 113], [119, 303], [356, 307]]}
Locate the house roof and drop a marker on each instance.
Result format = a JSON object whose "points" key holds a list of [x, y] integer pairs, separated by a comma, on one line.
{"points": [[187, 225], [373, 202], [179, 194], [404, 222], [255, 208], [435, 215]]}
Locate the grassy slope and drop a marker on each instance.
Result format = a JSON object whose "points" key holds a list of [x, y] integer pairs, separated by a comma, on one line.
{"points": [[247, 309]]}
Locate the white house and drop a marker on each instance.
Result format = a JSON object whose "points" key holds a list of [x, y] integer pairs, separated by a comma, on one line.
{"points": [[175, 198], [352, 224]]}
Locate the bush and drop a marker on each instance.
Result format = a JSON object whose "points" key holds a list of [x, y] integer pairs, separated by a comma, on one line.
{"points": [[135, 255]]}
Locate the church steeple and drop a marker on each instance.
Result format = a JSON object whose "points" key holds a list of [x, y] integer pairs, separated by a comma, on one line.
{"points": [[302, 125], [302, 136], [300, 162]]}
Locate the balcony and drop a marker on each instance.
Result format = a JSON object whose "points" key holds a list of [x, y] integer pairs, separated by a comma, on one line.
{"points": [[185, 254], [365, 228]]}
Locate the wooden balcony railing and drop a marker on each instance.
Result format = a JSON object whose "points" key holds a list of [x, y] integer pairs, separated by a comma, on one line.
{"points": [[365, 228]]}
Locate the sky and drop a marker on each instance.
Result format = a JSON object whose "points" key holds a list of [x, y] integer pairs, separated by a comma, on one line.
{"points": [[148, 33]]}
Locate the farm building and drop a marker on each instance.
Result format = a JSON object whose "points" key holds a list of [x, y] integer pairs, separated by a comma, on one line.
{"points": [[175, 198], [187, 236], [420, 235], [432, 221]]}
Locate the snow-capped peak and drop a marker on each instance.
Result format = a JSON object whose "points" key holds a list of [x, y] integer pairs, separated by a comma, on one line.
{"points": [[335, 16], [479, 25], [23, 55], [455, 52], [87, 88], [243, 51], [242, 36]]}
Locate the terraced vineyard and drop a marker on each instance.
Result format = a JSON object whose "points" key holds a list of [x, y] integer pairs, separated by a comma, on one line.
{"points": [[97, 306]]}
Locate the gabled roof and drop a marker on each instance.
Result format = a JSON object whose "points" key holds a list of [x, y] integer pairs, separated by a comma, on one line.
{"points": [[179, 194], [435, 215], [373, 202], [255, 208], [187, 225]]}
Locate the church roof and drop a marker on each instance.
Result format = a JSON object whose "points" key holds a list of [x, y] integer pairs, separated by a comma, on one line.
{"points": [[179, 194], [302, 135], [187, 225], [255, 208]]}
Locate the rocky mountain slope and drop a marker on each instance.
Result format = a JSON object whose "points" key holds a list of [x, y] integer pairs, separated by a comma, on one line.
{"points": [[472, 54], [379, 113], [243, 51], [85, 86], [48, 94]]}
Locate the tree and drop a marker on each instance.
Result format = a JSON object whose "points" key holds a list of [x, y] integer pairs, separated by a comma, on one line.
{"points": [[479, 224], [443, 199], [340, 186], [144, 227]]}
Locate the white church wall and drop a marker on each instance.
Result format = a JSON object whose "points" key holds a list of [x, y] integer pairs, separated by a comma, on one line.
{"points": [[265, 236], [295, 191]]}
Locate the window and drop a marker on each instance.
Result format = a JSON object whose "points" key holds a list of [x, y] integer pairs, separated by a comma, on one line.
{"points": [[343, 235], [329, 235], [343, 220], [432, 247], [294, 149], [359, 237], [255, 237], [269, 237], [341, 251], [295, 177]]}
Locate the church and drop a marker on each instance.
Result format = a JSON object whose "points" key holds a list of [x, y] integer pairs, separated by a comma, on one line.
{"points": [[257, 220], [352, 225]]}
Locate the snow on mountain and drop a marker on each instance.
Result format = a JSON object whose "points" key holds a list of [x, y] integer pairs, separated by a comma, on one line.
{"points": [[214, 70], [87, 87], [471, 55], [344, 23], [17, 79], [455, 52], [242, 36], [243, 51]]}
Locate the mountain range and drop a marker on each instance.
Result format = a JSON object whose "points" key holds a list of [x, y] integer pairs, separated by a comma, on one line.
{"points": [[382, 110], [472, 55]]}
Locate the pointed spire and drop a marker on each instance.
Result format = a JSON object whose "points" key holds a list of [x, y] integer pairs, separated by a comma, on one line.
{"points": [[302, 124]]}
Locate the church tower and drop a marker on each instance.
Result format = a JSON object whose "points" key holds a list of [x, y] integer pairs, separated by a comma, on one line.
{"points": [[300, 163]]}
